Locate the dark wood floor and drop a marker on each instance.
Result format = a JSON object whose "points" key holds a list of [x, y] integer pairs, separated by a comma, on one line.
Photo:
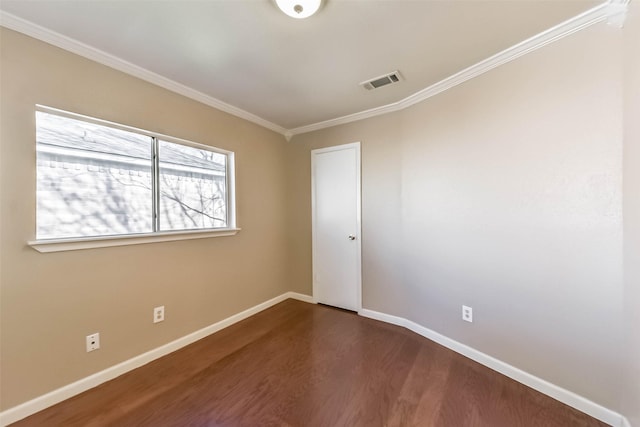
{"points": [[299, 364]]}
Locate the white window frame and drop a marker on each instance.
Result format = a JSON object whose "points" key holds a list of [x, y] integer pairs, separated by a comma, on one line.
{"points": [[77, 243]]}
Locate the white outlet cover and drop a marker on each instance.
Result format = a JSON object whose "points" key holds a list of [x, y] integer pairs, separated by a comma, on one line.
{"points": [[93, 342], [467, 313], [158, 314]]}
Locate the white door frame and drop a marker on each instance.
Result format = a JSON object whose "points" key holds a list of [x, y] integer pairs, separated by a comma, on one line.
{"points": [[358, 230]]}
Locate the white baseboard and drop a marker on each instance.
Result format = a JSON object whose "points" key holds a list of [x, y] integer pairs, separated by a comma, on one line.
{"points": [[300, 297], [23, 410], [565, 396]]}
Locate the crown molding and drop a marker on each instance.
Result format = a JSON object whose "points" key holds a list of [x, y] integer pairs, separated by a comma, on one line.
{"points": [[586, 19], [617, 12], [23, 26], [613, 11]]}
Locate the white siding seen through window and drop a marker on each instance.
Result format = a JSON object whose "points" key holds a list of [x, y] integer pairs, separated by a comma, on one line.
{"points": [[99, 179]]}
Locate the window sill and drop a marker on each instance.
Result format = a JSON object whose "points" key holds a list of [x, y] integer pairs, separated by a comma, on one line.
{"points": [[73, 244]]}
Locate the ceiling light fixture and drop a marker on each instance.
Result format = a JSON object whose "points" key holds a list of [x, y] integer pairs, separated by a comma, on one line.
{"points": [[299, 8]]}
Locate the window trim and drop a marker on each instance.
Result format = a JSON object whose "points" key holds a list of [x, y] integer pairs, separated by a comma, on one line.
{"points": [[90, 242], [72, 244]]}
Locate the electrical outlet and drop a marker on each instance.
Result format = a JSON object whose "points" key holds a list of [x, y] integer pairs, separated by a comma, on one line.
{"points": [[93, 342], [158, 314], [467, 313]]}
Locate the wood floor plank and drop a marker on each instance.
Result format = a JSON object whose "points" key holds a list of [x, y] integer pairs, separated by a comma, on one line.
{"points": [[299, 364], [421, 396]]}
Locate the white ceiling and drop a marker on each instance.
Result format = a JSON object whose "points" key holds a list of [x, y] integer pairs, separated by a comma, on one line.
{"points": [[295, 73]]}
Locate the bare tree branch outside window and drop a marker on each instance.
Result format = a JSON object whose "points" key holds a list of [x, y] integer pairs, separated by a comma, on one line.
{"points": [[95, 180]]}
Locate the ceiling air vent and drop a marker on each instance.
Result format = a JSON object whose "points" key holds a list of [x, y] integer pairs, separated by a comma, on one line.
{"points": [[377, 82]]}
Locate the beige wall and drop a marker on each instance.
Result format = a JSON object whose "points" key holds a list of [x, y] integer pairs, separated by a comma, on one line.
{"points": [[631, 393], [380, 202], [51, 301], [504, 193]]}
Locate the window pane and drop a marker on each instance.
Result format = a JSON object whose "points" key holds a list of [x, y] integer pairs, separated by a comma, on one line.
{"points": [[92, 180], [192, 187]]}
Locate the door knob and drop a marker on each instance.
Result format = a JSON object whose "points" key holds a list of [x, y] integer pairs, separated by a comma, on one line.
{"points": [[352, 237]]}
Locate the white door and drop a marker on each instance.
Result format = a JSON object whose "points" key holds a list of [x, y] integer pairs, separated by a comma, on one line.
{"points": [[335, 181]]}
